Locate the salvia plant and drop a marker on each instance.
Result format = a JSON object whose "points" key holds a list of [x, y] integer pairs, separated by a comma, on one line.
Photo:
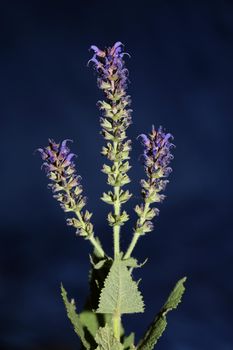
{"points": [[113, 291]]}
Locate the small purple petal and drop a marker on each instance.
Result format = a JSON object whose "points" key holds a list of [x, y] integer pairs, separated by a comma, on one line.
{"points": [[44, 155], [144, 140], [68, 160], [95, 48]]}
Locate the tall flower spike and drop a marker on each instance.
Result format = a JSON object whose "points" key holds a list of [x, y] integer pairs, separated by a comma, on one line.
{"points": [[156, 158], [112, 79], [65, 184]]}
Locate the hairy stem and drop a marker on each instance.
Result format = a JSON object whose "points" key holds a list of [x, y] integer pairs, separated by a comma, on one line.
{"points": [[97, 246], [91, 238], [136, 233], [132, 245], [117, 209], [116, 228], [116, 325]]}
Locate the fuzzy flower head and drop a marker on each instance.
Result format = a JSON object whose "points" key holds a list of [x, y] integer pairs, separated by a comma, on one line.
{"points": [[60, 168], [109, 64], [156, 158], [112, 79], [65, 183]]}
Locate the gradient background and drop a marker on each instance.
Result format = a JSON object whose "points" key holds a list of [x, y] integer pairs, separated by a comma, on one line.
{"points": [[181, 76]]}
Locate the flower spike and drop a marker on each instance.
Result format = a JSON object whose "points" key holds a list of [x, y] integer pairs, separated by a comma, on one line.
{"points": [[112, 79], [156, 159], [65, 184]]}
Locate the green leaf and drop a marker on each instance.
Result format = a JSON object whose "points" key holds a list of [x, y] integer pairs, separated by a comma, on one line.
{"points": [[129, 342], [175, 297], [74, 318], [106, 340], [132, 262], [120, 293], [99, 264], [89, 320], [159, 324]]}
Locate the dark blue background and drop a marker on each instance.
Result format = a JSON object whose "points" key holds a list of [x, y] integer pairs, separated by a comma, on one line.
{"points": [[181, 76]]}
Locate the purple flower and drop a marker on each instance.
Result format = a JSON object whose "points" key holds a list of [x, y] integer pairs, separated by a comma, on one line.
{"points": [[59, 167], [112, 79], [65, 184], [156, 158]]}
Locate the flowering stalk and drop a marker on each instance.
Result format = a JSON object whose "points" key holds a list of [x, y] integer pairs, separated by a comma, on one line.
{"points": [[156, 158], [112, 79], [113, 291], [65, 185]]}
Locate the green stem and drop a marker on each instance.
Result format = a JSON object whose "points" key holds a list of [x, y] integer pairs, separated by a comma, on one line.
{"points": [[91, 238], [117, 207], [97, 246], [136, 234], [116, 228], [132, 245], [117, 326]]}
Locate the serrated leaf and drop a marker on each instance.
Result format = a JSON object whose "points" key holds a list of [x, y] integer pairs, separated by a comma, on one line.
{"points": [[120, 293], [129, 342], [158, 326], [106, 340], [74, 318]]}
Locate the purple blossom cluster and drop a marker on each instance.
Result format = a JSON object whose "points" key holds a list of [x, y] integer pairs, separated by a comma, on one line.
{"points": [[112, 79], [156, 158], [110, 64], [65, 184]]}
